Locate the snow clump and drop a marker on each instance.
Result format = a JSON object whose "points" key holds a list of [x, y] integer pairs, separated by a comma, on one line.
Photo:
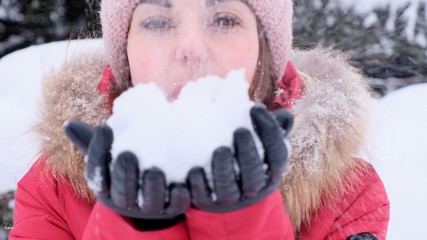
{"points": [[179, 135]]}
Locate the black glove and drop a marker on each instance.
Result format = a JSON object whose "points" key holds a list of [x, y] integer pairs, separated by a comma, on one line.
{"points": [[254, 182], [118, 186], [362, 236]]}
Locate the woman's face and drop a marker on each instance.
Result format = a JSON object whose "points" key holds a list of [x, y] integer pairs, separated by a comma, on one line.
{"points": [[172, 42]]}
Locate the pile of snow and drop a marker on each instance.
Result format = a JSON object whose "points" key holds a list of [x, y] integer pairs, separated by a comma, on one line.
{"points": [[176, 136]]}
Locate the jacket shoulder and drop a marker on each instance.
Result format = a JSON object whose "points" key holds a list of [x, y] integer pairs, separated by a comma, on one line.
{"points": [[44, 201], [363, 207], [37, 203], [331, 127]]}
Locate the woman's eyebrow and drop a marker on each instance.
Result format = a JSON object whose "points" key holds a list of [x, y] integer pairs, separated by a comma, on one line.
{"points": [[210, 3], [162, 3]]}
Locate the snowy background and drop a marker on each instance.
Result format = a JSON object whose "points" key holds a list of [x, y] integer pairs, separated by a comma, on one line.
{"points": [[408, 9], [398, 135]]}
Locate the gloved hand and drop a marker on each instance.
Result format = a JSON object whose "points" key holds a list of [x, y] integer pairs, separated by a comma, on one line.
{"points": [[118, 184], [362, 236], [254, 182]]}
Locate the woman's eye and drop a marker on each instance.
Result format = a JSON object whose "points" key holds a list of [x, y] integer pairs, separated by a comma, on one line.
{"points": [[156, 23], [226, 20]]}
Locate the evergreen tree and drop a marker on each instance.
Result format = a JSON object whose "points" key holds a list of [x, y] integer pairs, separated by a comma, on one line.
{"points": [[24, 23], [391, 52]]}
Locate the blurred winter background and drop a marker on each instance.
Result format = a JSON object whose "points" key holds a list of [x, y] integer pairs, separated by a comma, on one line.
{"points": [[387, 40]]}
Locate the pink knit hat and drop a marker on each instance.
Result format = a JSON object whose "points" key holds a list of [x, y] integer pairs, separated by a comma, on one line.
{"points": [[275, 16]]}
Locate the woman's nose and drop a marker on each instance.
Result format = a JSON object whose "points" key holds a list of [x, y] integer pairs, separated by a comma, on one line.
{"points": [[191, 48]]}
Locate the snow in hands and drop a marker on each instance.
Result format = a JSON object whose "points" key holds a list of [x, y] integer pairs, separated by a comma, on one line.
{"points": [[179, 135]]}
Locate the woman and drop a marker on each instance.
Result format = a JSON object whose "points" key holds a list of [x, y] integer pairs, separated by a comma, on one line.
{"points": [[326, 192]]}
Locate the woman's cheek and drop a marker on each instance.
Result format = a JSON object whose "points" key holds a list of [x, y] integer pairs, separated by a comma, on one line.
{"points": [[244, 55], [139, 71]]}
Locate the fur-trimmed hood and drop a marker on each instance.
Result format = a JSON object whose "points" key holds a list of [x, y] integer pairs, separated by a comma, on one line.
{"points": [[331, 125]]}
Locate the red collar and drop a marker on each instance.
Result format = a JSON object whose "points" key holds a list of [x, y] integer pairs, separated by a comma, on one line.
{"points": [[289, 88], [106, 86]]}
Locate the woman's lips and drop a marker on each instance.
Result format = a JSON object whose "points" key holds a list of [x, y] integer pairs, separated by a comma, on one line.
{"points": [[175, 92]]}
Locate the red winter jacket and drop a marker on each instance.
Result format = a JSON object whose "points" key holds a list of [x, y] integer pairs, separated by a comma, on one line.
{"points": [[48, 207]]}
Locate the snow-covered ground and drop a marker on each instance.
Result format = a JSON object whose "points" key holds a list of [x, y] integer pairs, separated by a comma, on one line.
{"points": [[20, 78], [399, 133], [400, 156]]}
